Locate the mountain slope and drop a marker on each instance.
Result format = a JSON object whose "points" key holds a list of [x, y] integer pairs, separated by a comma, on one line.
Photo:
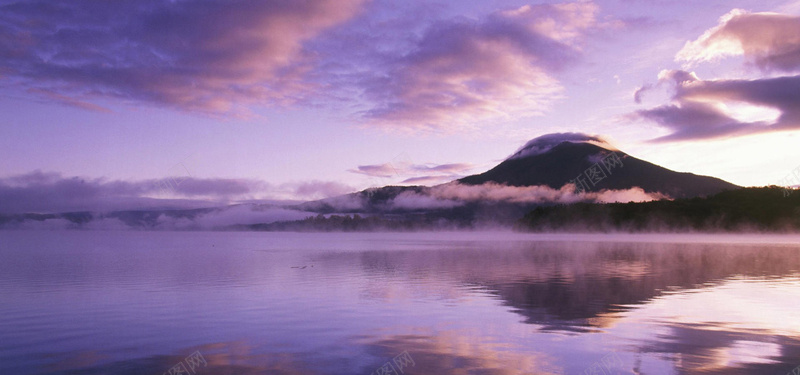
{"points": [[559, 164]]}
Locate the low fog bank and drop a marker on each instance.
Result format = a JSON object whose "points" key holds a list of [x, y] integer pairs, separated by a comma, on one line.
{"points": [[750, 210], [52, 193], [454, 194], [456, 207], [451, 206], [194, 219]]}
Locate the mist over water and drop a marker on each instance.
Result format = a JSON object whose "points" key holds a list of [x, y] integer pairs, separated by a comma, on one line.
{"points": [[106, 302]]}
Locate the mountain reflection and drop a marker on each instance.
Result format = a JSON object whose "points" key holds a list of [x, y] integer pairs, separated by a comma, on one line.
{"points": [[574, 286], [678, 292]]}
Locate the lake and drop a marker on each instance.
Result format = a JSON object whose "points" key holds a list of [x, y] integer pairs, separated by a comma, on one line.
{"points": [[93, 302]]}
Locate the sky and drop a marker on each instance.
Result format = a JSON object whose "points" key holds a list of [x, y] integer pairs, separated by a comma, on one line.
{"points": [[245, 100]]}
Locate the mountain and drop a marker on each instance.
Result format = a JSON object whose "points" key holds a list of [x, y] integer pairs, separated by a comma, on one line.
{"points": [[533, 176], [557, 159]]}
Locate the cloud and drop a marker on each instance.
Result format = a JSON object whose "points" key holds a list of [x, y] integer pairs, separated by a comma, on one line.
{"points": [[720, 108], [443, 168], [416, 173], [430, 180], [229, 216], [433, 174], [420, 70], [459, 73], [454, 194], [707, 109], [770, 41], [493, 192], [51, 192], [377, 170], [48, 192], [209, 56], [56, 97], [409, 200], [545, 143], [208, 219]]}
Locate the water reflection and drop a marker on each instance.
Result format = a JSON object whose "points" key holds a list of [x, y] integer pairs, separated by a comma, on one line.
{"points": [[704, 307], [564, 285], [138, 303]]}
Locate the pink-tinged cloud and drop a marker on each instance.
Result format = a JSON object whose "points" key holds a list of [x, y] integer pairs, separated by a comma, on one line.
{"points": [[462, 73], [430, 180], [421, 174], [70, 101], [700, 109], [492, 192], [707, 109], [455, 194], [771, 41], [208, 56], [547, 142], [377, 170], [226, 57], [443, 168]]}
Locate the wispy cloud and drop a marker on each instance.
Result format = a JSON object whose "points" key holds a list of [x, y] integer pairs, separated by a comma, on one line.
{"points": [[428, 180], [707, 109], [416, 173], [462, 72], [771, 41], [221, 57], [376, 170], [209, 56]]}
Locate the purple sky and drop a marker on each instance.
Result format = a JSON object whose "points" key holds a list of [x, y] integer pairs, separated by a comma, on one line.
{"points": [[234, 100]]}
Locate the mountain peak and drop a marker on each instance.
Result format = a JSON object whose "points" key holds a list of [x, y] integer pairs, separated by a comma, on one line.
{"points": [[556, 160], [545, 143]]}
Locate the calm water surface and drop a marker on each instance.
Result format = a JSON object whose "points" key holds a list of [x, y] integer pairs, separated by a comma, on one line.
{"points": [[438, 303]]}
